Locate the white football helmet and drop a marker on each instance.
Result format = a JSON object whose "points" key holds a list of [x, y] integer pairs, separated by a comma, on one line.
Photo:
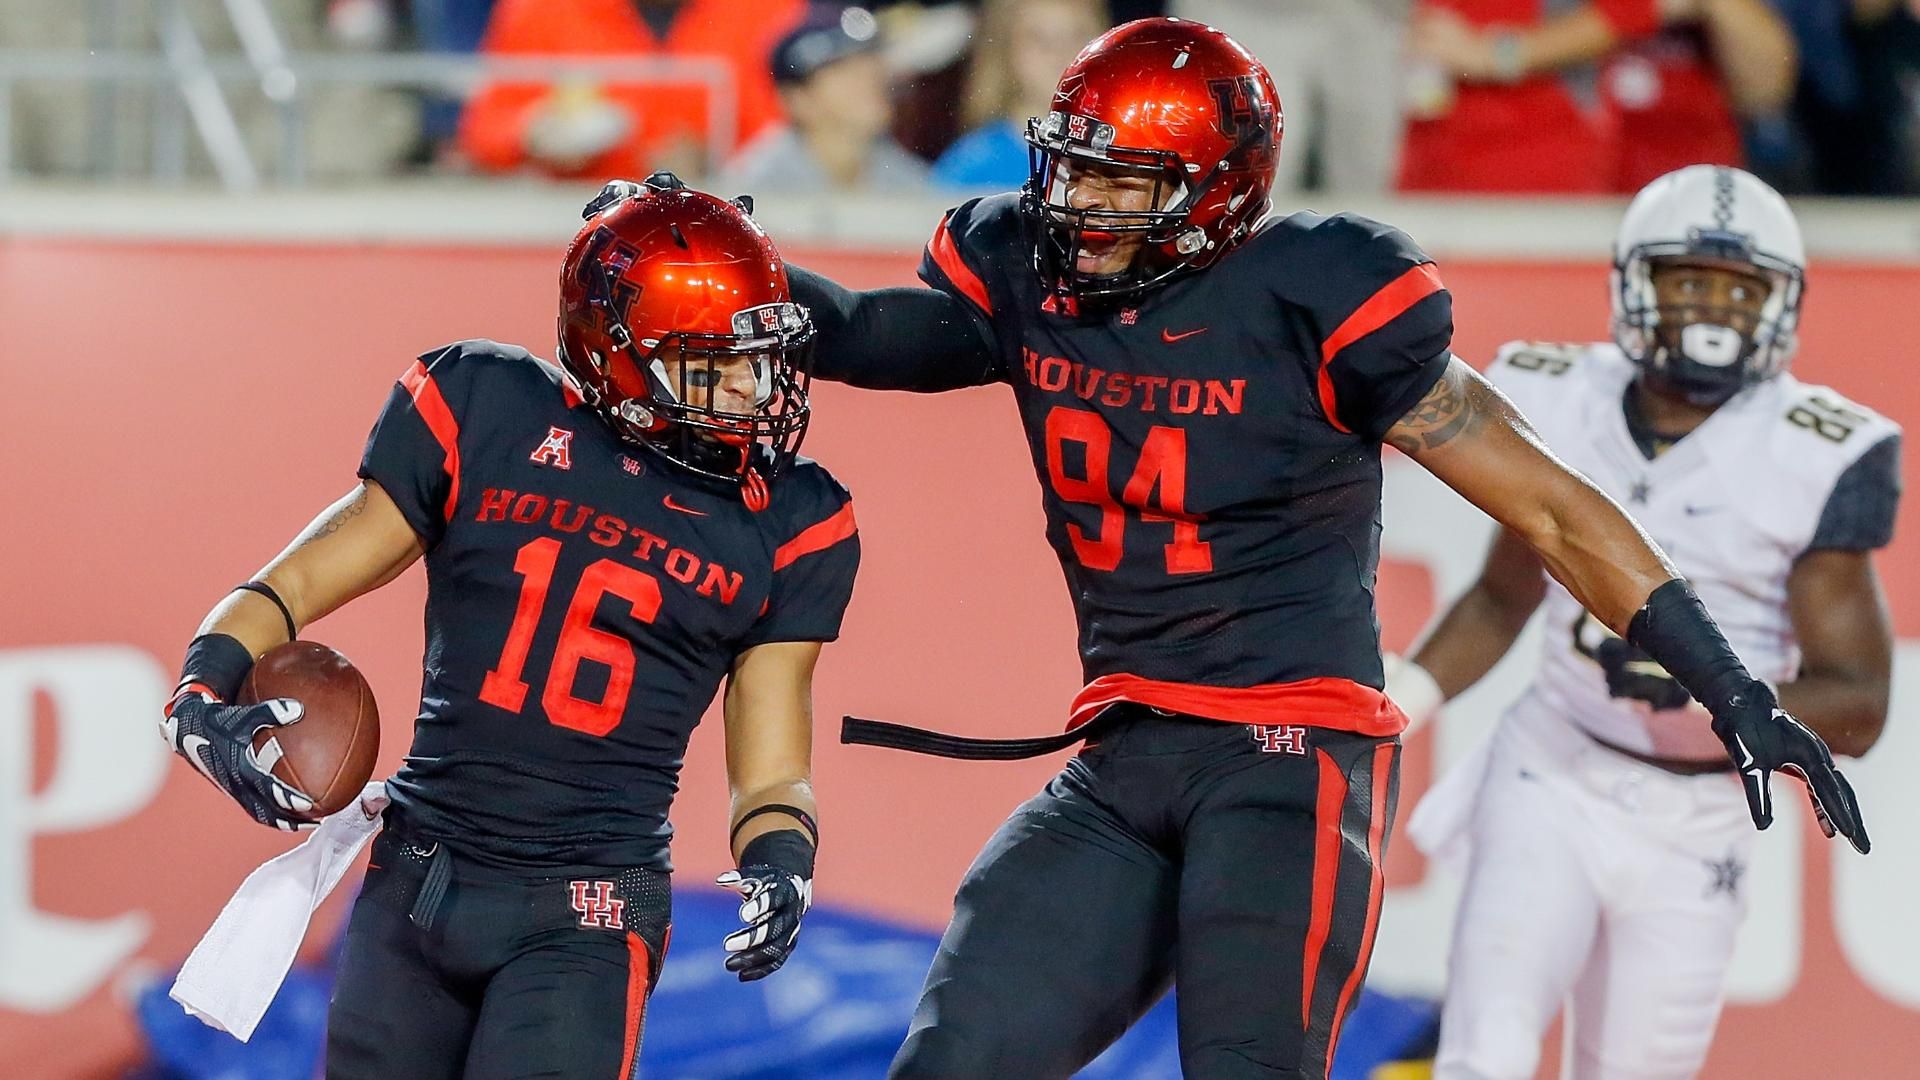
{"points": [[1719, 213]]}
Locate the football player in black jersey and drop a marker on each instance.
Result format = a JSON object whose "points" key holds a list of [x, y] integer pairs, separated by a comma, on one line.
{"points": [[1205, 391], [605, 542]]}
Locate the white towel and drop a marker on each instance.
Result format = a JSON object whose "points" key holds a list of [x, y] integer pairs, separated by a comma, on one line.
{"points": [[233, 974], [1441, 825]]}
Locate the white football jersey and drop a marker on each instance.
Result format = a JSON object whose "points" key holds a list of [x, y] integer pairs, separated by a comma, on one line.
{"points": [[1733, 504]]}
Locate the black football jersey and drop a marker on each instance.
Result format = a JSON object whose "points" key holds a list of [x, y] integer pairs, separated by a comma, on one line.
{"points": [[1209, 459], [585, 597]]}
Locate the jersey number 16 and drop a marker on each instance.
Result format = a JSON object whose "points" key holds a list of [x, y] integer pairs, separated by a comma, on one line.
{"points": [[579, 640]]}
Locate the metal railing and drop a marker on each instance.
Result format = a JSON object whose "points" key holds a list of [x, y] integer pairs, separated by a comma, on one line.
{"points": [[192, 79]]}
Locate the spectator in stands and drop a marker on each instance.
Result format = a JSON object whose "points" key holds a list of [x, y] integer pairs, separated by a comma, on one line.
{"points": [[587, 126], [835, 89], [1020, 49], [1854, 112], [1601, 96], [1337, 66], [455, 26], [446, 26]]}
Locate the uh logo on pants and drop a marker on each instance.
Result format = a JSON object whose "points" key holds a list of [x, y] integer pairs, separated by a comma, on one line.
{"points": [[594, 902], [1279, 739]]}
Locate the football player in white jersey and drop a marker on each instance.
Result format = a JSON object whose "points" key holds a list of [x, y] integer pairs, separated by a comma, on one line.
{"points": [[1606, 830]]}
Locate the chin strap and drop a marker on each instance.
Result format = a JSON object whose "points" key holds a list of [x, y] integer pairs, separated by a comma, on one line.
{"points": [[753, 490], [753, 486]]}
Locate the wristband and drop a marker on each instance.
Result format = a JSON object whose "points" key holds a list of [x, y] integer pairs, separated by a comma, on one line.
{"points": [[805, 819], [1675, 629], [786, 850], [1412, 688], [217, 662]]}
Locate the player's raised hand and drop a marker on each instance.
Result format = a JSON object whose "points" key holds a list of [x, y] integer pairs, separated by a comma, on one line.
{"points": [[773, 903], [217, 740], [612, 192], [1631, 673], [617, 191], [1762, 739]]}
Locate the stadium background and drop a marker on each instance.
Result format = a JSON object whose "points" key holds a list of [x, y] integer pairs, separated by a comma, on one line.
{"points": [[186, 376]]}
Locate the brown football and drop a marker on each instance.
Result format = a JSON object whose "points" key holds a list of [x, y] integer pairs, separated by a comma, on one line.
{"points": [[329, 752]]}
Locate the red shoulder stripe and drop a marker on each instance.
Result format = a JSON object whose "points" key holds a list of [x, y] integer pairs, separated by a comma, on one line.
{"points": [[816, 537], [947, 257], [569, 392], [1384, 306], [446, 430]]}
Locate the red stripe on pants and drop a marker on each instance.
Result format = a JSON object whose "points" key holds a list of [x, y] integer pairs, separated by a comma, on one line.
{"points": [[1382, 784], [1332, 796], [639, 964]]}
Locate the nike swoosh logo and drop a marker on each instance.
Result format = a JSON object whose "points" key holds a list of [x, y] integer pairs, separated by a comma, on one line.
{"points": [[1170, 337], [667, 501], [191, 746], [1755, 773]]}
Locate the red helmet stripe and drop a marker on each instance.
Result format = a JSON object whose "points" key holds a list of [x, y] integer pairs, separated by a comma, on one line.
{"points": [[947, 257], [817, 537], [439, 419], [1384, 306]]}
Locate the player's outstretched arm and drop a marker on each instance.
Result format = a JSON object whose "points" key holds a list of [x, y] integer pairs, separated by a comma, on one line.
{"points": [[916, 339], [1480, 626], [1470, 436], [356, 545], [1846, 649], [769, 722]]}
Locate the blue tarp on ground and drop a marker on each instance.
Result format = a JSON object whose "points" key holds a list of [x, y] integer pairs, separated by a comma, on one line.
{"points": [[837, 1011]]}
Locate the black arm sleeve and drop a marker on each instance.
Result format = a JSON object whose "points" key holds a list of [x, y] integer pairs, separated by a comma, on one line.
{"points": [[1675, 629], [1860, 511], [916, 339]]}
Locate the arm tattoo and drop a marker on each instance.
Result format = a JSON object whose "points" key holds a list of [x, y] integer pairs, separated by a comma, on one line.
{"points": [[338, 519], [1445, 413]]}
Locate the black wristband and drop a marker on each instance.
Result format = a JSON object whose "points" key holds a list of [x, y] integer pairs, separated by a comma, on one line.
{"points": [[805, 819], [219, 662], [786, 850], [1675, 629], [266, 590]]}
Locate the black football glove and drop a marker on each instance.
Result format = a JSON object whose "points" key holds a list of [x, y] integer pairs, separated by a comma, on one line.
{"points": [[615, 191], [774, 903], [1762, 738], [1631, 673], [618, 191], [775, 881], [217, 740]]}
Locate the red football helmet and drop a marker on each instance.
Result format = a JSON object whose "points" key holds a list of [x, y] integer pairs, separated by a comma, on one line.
{"points": [[663, 277], [1173, 98]]}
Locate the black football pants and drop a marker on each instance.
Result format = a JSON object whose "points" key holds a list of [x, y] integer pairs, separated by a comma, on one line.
{"points": [[513, 976], [1240, 863]]}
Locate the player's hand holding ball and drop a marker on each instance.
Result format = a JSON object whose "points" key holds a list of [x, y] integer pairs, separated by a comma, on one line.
{"points": [[775, 882], [1631, 673], [1762, 738], [217, 739], [233, 720]]}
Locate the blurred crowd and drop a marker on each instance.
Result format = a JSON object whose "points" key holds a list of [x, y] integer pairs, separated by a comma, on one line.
{"points": [[1472, 96]]}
